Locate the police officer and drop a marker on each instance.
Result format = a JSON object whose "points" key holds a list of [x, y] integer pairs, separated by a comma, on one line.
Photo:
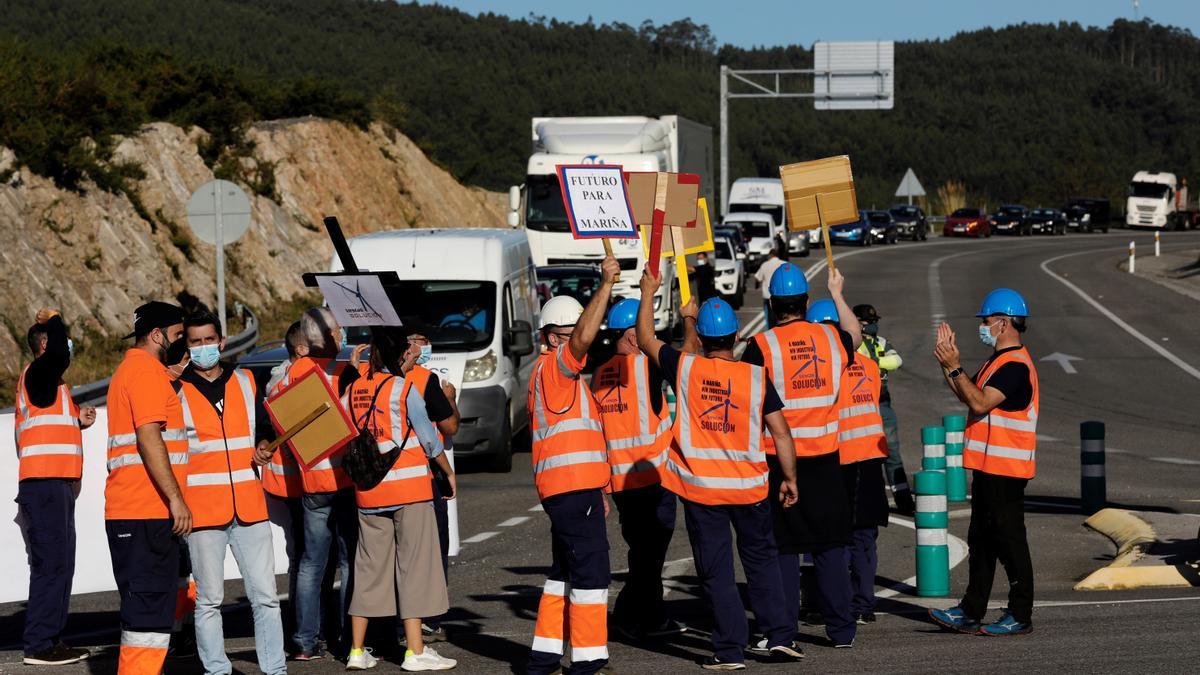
{"points": [[637, 430], [862, 449], [717, 466], [49, 434], [1000, 445], [805, 362], [144, 507], [570, 467], [878, 349]]}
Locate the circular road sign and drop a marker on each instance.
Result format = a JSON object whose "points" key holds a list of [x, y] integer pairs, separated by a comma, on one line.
{"points": [[219, 198]]}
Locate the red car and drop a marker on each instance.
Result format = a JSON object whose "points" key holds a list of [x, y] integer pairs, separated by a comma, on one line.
{"points": [[968, 222]]}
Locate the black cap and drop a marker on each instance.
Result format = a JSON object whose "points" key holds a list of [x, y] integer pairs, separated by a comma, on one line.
{"points": [[154, 314], [866, 313]]}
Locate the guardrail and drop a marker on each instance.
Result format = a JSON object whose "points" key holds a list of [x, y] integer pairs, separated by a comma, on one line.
{"points": [[94, 393]]}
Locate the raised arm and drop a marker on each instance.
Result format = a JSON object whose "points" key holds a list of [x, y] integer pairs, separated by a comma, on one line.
{"points": [[978, 401], [691, 339], [648, 342], [593, 315], [846, 319]]}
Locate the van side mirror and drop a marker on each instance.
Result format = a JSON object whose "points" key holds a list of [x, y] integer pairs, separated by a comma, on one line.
{"points": [[519, 339]]}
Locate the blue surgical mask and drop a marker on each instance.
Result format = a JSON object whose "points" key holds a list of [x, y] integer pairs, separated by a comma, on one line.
{"points": [[205, 356], [70, 348], [345, 343], [426, 352], [985, 335]]}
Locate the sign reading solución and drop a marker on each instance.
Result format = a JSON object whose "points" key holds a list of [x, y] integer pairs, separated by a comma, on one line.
{"points": [[596, 202]]}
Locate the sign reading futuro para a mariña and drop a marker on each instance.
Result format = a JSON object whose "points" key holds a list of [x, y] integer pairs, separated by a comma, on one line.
{"points": [[596, 202]]}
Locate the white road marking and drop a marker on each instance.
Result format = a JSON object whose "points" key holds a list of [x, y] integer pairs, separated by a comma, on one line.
{"points": [[482, 536], [1183, 365], [1042, 604], [1048, 439], [536, 507], [1176, 460], [958, 553], [517, 520], [1063, 360]]}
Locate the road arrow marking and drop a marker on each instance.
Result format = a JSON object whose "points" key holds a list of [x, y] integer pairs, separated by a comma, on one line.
{"points": [[1064, 361]]}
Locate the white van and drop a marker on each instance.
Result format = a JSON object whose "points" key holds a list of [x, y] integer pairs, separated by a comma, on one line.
{"points": [[765, 195], [759, 230], [473, 293]]}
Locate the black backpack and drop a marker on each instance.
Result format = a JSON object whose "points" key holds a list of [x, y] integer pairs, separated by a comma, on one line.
{"points": [[363, 462]]}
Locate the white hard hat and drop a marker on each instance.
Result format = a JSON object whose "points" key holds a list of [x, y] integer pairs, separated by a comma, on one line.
{"points": [[561, 310]]}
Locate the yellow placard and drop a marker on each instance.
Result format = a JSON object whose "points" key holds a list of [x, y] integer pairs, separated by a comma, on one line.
{"points": [[697, 239], [327, 433]]}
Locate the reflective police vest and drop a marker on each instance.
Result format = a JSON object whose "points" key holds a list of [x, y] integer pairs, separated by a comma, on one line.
{"points": [[1004, 443], [860, 428], [326, 475], [637, 437], [805, 361], [129, 493], [408, 481], [569, 453], [716, 452], [50, 439], [221, 481], [282, 475]]}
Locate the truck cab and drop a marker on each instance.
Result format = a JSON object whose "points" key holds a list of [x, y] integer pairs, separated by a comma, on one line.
{"points": [[765, 195], [1151, 200]]}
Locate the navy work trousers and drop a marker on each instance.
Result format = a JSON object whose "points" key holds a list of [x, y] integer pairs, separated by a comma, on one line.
{"points": [[712, 548], [145, 559], [647, 523], [47, 506], [831, 567], [864, 561]]}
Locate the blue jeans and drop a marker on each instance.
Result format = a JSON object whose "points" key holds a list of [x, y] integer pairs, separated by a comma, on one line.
{"points": [[47, 505], [329, 518], [255, 556]]}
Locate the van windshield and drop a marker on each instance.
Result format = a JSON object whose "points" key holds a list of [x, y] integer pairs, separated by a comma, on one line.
{"points": [[756, 229], [1148, 190], [774, 210], [454, 315], [544, 205]]}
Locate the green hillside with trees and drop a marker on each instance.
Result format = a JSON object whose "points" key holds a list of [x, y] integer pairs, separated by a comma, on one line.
{"points": [[1032, 112]]}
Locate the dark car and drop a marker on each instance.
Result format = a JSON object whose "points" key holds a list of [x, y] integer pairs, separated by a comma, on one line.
{"points": [[910, 221], [967, 222], [1047, 221], [579, 282], [734, 232], [1087, 215], [858, 232], [883, 227], [1011, 219]]}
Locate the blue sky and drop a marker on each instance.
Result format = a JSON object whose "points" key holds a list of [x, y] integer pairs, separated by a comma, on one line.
{"points": [[747, 23]]}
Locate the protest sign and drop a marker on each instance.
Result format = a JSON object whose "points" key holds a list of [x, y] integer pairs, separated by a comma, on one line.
{"points": [[819, 193], [309, 415], [358, 300], [596, 201], [659, 199]]}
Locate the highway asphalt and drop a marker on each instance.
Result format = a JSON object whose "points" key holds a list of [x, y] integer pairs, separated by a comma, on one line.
{"points": [[1135, 368]]}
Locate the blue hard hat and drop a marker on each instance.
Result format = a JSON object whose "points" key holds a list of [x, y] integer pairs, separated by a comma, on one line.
{"points": [[1004, 301], [623, 314], [788, 280], [821, 310], [716, 319]]}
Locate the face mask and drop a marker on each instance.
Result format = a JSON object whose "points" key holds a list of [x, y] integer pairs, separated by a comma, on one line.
{"points": [[70, 348], [174, 351], [426, 353], [205, 356], [701, 262], [871, 329], [985, 335]]}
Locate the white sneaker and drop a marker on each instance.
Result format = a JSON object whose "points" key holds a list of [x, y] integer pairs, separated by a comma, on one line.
{"points": [[426, 660], [361, 659]]}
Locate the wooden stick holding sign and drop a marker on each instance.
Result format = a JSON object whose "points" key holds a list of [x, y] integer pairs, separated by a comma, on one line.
{"points": [[596, 202], [684, 241], [820, 194]]}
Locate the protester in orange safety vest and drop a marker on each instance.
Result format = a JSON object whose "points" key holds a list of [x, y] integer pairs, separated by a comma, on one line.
{"points": [[224, 418], [50, 452], [144, 507], [717, 466], [571, 470], [1000, 446], [805, 361], [637, 431]]}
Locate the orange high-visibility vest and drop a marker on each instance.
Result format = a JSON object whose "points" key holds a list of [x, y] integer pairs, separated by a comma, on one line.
{"points": [[1004, 443], [805, 362], [281, 476], [221, 483], [418, 377], [569, 453], [408, 481], [49, 440], [326, 475], [860, 427], [129, 493], [636, 436], [716, 452]]}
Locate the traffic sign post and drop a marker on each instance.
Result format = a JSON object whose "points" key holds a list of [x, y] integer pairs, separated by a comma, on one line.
{"points": [[910, 187], [219, 213]]}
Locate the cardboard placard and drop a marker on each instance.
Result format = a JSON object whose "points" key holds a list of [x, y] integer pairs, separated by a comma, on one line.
{"points": [[832, 179], [596, 202], [683, 191], [698, 239], [326, 434]]}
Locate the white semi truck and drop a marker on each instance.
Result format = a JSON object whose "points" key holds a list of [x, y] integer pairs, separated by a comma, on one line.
{"points": [[668, 143], [1157, 201]]}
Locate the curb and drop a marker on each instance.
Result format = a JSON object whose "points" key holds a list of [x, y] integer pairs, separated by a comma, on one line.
{"points": [[1133, 537]]}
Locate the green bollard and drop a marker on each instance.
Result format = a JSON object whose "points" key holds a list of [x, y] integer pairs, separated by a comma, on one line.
{"points": [[1091, 469], [956, 475], [933, 553], [934, 457]]}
